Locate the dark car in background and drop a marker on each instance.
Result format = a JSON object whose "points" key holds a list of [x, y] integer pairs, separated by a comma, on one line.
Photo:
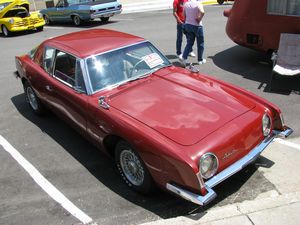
{"points": [[80, 11]]}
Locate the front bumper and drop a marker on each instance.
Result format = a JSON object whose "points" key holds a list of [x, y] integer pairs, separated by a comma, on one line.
{"points": [[26, 27], [228, 172]]}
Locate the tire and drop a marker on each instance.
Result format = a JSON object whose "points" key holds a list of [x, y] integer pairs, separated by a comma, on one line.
{"points": [[104, 19], [40, 28], [76, 20], [132, 168], [47, 20], [32, 99], [5, 31], [220, 1]]}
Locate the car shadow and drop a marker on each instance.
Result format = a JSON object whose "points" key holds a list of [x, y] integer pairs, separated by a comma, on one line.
{"points": [[175, 60], [89, 24], [161, 203], [20, 33], [256, 66]]}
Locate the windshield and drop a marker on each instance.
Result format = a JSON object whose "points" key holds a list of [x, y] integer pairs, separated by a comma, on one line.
{"points": [[3, 5], [123, 65]]}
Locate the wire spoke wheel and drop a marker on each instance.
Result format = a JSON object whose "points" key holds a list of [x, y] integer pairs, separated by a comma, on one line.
{"points": [[132, 167], [32, 98]]}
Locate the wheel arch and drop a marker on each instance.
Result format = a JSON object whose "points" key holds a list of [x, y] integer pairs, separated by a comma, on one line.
{"points": [[24, 80], [110, 142], [75, 14]]}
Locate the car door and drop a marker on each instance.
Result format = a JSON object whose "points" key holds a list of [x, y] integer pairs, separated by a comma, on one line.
{"points": [[66, 92], [37, 75], [59, 12]]}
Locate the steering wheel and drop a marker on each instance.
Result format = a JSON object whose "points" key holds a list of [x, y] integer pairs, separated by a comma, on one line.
{"points": [[134, 67]]}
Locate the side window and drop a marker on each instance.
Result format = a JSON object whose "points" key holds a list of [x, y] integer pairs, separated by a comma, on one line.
{"points": [[48, 59], [64, 69], [68, 70], [293, 7], [71, 2], [60, 4], [38, 56], [276, 6]]}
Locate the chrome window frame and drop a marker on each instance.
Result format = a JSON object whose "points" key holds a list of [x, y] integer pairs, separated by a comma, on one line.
{"points": [[81, 62]]}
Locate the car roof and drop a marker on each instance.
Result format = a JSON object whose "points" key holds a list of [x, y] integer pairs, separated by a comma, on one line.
{"points": [[85, 43]]}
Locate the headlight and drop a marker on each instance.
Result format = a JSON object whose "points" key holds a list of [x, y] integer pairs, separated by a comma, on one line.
{"points": [[40, 16], [266, 125], [11, 21], [208, 165]]}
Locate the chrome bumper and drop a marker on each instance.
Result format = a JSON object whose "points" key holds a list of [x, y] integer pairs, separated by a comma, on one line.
{"points": [[105, 14], [229, 171]]}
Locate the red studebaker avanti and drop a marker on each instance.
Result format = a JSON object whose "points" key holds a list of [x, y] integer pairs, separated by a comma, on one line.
{"points": [[164, 125]]}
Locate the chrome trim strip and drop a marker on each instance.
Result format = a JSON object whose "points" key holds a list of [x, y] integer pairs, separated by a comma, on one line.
{"points": [[234, 168], [287, 132]]}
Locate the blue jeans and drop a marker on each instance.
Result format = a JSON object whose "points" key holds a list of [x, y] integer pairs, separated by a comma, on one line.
{"points": [[192, 33], [179, 38]]}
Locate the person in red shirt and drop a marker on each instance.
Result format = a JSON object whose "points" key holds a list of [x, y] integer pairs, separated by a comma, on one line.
{"points": [[179, 16]]}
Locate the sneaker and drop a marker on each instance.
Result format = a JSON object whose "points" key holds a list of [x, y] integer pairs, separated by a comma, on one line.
{"points": [[202, 61], [192, 54], [182, 60], [179, 55]]}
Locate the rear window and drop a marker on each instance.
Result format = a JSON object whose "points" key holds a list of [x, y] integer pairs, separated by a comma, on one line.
{"points": [[284, 7]]}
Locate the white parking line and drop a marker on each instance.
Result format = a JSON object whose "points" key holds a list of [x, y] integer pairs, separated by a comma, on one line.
{"points": [[287, 143], [54, 28], [44, 183]]}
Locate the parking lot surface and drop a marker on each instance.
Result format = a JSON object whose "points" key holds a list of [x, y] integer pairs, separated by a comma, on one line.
{"points": [[89, 179]]}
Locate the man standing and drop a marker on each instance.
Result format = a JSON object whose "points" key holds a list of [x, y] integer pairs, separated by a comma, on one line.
{"points": [[193, 12], [179, 16]]}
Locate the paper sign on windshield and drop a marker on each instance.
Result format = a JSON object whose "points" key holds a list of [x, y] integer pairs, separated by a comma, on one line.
{"points": [[153, 60]]}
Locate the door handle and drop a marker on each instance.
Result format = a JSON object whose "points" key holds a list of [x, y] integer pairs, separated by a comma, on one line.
{"points": [[49, 88]]}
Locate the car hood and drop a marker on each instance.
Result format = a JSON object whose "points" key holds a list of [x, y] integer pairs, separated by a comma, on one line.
{"points": [[183, 108]]}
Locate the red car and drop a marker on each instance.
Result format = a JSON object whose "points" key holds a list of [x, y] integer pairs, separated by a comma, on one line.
{"points": [[164, 125]]}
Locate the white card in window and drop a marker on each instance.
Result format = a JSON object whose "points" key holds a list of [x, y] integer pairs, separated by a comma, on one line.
{"points": [[153, 60]]}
